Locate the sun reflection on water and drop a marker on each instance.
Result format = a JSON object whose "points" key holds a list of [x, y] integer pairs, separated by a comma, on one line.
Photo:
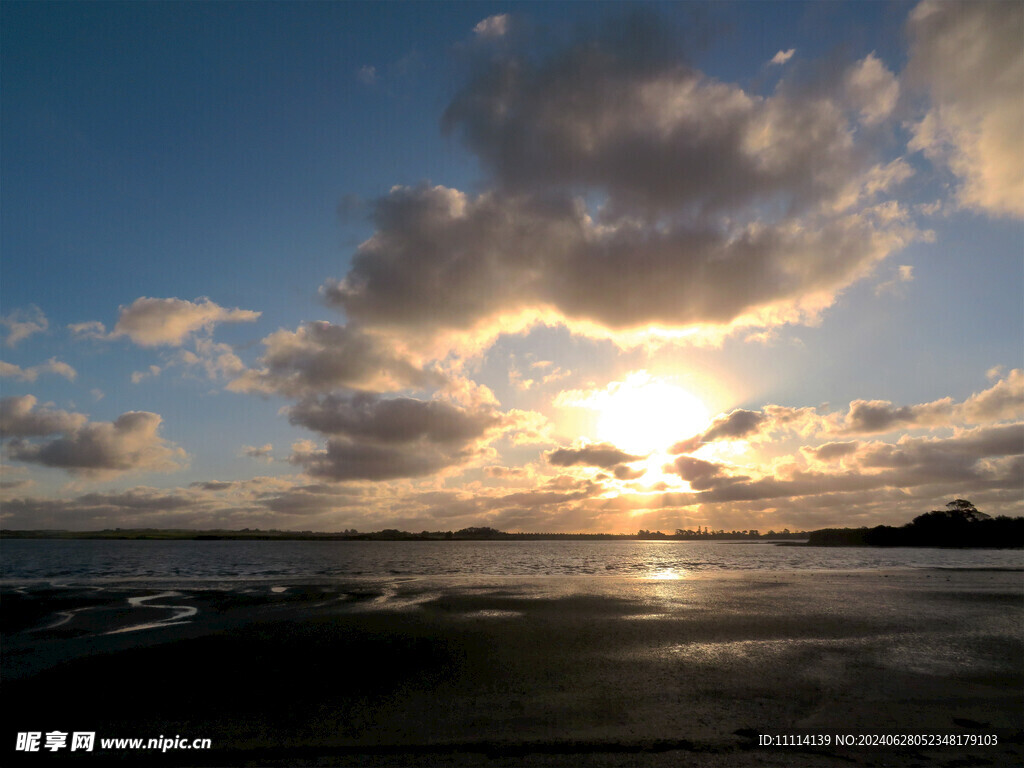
{"points": [[666, 574]]}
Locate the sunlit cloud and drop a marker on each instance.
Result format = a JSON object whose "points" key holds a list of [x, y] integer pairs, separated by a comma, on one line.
{"points": [[493, 26], [968, 57]]}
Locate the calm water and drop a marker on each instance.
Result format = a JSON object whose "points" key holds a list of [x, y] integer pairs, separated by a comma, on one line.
{"points": [[40, 560]]}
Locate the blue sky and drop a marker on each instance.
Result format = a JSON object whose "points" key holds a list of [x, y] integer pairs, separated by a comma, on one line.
{"points": [[472, 264]]}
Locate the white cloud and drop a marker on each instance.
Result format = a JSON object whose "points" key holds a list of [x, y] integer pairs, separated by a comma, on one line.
{"points": [[216, 360], [1002, 401], [171, 322], [93, 329], [22, 323], [53, 365], [782, 56], [872, 89], [904, 274], [261, 452], [493, 26], [367, 74], [152, 372], [969, 57]]}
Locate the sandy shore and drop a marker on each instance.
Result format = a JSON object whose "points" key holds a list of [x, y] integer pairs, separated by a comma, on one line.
{"points": [[570, 671]]}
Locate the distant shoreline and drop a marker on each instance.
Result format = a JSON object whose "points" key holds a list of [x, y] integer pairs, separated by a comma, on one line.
{"points": [[151, 534], [832, 537]]}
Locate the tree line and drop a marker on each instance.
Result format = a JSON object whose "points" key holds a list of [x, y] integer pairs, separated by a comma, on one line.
{"points": [[959, 525]]}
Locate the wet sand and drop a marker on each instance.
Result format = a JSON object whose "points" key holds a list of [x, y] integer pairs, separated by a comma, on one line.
{"points": [[561, 671]]}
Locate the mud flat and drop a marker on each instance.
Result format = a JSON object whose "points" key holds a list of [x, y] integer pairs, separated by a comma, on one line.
{"points": [[698, 670]]}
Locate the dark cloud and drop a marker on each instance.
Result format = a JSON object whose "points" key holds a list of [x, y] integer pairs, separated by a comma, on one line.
{"points": [[440, 260], [373, 438], [343, 460], [136, 507], [129, 443], [735, 425], [316, 499], [19, 418], [392, 420], [623, 472], [719, 206], [703, 475], [833, 451], [321, 357], [868, 417], [213, 485], [602, 455], [622, 112]]}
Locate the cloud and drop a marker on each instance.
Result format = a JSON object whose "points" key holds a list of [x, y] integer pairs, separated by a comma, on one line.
{"points": [[150, 373], [602, 455], [622, 472], [367, 74], [53, 365], [699, 473], [261, 452], [873, 416], [372, 438], [103, 510], [321, 357], [493, 26], [169, 322], [1003, 401], [833, 451], [619, 113], [94, 449], [872, 89], [22, 323], [19, 418], [93, 329], [394, 420], [969, 58], [719, 207], [782, 56], [904, 274], [963, 460], [216, 360], [443, 261]]}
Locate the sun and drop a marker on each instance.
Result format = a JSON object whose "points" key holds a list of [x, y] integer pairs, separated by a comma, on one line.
{"points": [[643, 414]]}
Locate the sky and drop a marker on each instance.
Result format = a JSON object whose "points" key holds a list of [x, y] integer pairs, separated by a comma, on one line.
{"points": [[538, 267]]}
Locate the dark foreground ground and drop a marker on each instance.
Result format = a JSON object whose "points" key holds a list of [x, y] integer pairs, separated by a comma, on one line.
{"points": [[521, 672]]}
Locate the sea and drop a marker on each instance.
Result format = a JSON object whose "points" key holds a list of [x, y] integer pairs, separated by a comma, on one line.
{"points": [[26, 562]]}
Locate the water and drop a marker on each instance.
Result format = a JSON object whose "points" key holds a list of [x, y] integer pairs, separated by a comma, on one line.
{"points": [[27, 561]]}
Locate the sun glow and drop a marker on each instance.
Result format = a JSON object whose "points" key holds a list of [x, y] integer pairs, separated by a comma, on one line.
{"points": [[645, 415]]}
